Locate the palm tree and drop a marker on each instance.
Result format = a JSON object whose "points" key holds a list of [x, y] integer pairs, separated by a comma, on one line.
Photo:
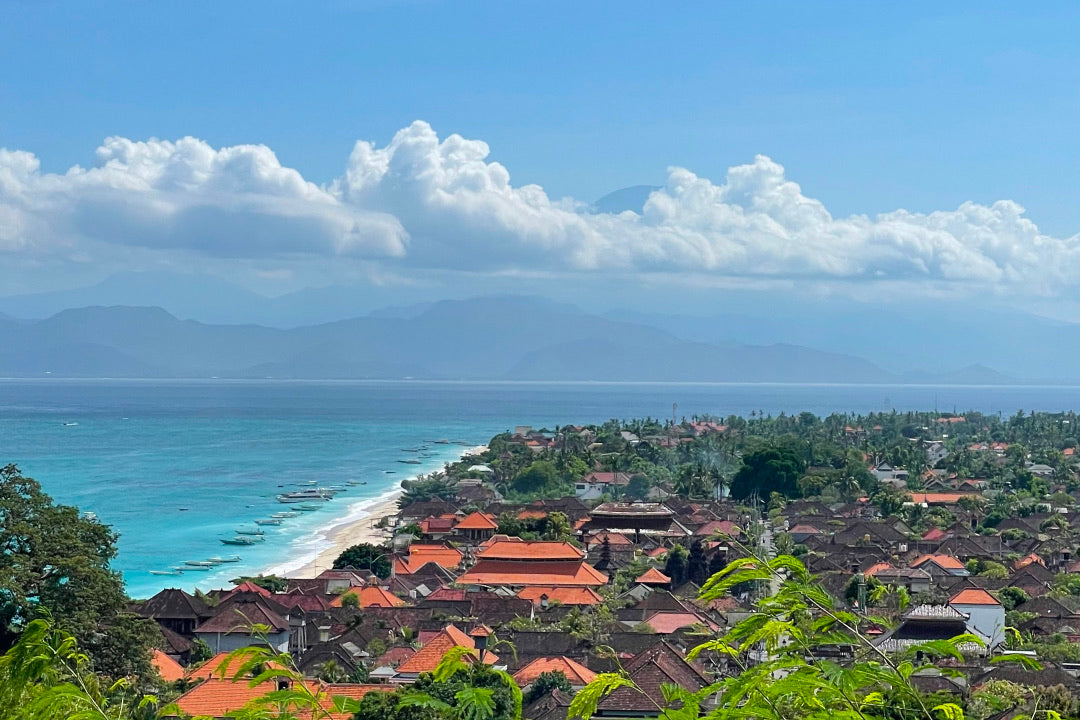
{"points": [[330, 672]]}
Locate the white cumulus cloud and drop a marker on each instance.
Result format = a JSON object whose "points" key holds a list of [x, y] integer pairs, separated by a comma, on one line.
{"points": [[233, 202], [439, 203]]}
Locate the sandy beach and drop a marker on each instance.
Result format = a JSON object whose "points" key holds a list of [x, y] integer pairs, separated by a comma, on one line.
{"points": [[358, 527], [347, 533]]}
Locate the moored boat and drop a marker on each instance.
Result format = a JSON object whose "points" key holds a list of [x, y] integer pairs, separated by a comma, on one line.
{"points": [[268, 521], [239, 540], [305, 495]]}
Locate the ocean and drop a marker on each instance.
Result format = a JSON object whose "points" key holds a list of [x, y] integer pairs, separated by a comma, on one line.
{"points": [[173, 466]]}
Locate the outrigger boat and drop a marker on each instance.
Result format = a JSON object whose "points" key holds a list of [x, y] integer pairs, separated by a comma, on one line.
{"points": [[281, 515], [166, 572], [249, 531], [269, 521], [201, 563], [219, 560], [239, 540], [307, 507]]}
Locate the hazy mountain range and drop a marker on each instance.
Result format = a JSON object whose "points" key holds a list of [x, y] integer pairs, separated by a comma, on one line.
{"points": [[497, 338]]}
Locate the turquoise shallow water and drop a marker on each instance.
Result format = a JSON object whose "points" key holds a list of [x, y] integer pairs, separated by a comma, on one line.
{"points": [[136, 452]]}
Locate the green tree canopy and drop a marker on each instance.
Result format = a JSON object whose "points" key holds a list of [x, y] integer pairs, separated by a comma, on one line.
{"points": [[56, 562], [365, 556], [769, 470], [545, 683], [540, 479]]}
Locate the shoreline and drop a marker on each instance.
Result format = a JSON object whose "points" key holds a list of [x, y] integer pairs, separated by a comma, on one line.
{"points": [[344, 532], [317, 553]]}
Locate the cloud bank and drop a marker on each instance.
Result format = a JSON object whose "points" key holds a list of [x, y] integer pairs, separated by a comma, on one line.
{"points": [[422, 202]]}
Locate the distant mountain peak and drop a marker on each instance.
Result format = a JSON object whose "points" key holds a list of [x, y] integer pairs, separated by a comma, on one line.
{"points": [[628, 198]]}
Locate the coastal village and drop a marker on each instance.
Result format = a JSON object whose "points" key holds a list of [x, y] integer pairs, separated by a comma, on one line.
{"points": [[562, 555]]}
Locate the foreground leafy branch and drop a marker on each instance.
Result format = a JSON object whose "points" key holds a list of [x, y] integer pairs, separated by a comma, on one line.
{"points": [[798, 657]]}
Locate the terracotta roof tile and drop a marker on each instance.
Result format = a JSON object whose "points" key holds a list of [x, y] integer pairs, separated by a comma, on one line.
{"points": [[666, 623], [217, 698], [530, 550], [575, 672], [947, 562], [168, 669], [427, 658], [563, 573], [561, 595], [938, 498], [216, 667], [369, 597], [477, 521], [652, 576], [973, 596]]}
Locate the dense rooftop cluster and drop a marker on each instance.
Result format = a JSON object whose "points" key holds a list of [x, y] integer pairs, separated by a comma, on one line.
{"points": [[584, 549]]}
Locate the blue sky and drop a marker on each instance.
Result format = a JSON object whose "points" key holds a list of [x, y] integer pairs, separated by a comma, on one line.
{"points": [[870, 107]]}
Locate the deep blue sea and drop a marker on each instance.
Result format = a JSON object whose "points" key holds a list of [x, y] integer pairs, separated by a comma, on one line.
{"points": [[136, 452]]}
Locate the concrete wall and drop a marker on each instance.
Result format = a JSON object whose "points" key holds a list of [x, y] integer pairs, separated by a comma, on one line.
{"points": [[986, 621]]}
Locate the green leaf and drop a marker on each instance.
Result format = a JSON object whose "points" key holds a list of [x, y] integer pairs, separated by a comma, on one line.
{"points": [[589, 697]]}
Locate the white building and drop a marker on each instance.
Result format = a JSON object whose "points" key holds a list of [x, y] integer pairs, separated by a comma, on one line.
{"points": [[986, 616]]}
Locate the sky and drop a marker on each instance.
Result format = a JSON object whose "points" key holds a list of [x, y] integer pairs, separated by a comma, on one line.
{"points": [[862, 149]]}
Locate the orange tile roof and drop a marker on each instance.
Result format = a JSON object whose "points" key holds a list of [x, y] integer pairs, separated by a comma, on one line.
{"points": [[938, 498], [668, 622], [504, 572], [428, 657], [168, 669], [248, 586], [218, 698], [477, 521], [973, 596], [561, 595], [652, 576], [612, 538], [529, 550], [1028, 560], [947, 562], [575, 672], [877, 567], [215, 667], [420, 555], [532, 515], [370, 596]]}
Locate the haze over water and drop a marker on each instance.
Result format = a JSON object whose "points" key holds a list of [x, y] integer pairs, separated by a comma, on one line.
{"points": [[136, 452]]}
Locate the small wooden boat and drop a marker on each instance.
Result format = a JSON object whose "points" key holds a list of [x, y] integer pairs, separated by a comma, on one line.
{"points": [[239, 540], [166, 572], [268, 521]]}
